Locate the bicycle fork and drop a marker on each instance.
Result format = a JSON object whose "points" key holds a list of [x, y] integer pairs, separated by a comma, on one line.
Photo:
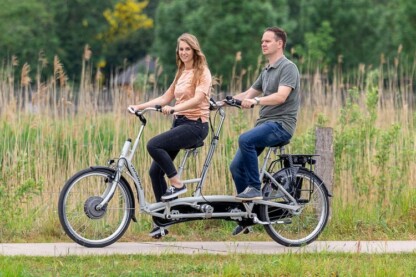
{"points": [[109, 192]]}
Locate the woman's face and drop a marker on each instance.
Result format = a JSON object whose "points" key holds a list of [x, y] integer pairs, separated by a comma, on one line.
{"points": [[186, 53]]}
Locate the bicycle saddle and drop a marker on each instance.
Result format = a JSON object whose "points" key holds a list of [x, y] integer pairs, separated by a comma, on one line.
{"points": [[198, 144], [281, 144]]}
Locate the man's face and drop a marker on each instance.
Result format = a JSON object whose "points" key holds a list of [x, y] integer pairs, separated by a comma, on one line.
{"points": [[269, 45]]}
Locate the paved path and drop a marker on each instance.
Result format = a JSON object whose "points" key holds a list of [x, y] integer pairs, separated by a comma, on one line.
{"points": [[253, 247]]}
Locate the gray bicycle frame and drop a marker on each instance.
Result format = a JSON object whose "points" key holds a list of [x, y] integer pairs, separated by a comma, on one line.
{"points": [[197, 201]]}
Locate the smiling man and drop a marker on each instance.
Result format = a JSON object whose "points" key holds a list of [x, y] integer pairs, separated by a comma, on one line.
{"points": [[276, 90]]}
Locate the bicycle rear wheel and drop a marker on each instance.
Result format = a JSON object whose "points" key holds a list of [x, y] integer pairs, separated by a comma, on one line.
{"points": [[78, 215], [297, 228]]}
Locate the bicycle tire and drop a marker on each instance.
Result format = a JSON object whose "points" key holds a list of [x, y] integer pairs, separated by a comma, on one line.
{"points": [[301, 227], [78, 216]]}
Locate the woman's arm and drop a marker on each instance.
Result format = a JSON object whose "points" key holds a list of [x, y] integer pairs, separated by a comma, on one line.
{"points": [[194, 101], [202, 91], [162, 100]]}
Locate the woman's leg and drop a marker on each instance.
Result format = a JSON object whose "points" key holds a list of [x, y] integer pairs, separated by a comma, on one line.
{"points": [[164, 148]]}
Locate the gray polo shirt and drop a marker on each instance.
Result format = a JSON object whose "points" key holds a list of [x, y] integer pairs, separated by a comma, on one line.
{"points": [[282, 73]]}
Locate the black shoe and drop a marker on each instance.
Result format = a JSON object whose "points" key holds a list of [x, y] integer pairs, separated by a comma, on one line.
{"points": [[158, 232], [250, 193], [244, 229], [173, 192]]}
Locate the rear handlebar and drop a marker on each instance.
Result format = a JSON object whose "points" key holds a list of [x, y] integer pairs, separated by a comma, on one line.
{"points": [[229, 100]]}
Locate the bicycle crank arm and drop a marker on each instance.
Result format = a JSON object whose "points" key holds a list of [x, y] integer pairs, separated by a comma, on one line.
{"points": [[258, 221]]}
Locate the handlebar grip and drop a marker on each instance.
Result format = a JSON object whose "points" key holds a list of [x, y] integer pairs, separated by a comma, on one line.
{"points": [[172, 111], [232, 101], [237, 102]]}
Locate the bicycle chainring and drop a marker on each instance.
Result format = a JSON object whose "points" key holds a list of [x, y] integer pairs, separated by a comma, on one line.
{"points": [[236, 210]]}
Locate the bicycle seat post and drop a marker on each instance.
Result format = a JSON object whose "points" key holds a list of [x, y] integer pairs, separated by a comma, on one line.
{"points": [[183, 161], [282, 150], [265, 160]]}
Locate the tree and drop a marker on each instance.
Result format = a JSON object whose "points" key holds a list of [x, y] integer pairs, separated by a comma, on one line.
{"points": [[403, 27], [319, 44], [126, 18], [128, 35], [362, 29], [27, 28], [79, 22]]}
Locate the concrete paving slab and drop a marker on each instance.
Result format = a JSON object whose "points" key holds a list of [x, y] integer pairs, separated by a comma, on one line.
{"points": [[223, 248]]}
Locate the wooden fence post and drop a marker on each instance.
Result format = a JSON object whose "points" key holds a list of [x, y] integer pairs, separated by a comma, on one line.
{"points": [[324, 167]]}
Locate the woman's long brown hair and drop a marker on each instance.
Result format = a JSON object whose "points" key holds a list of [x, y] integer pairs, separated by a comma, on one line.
{"points": [[200, 62]]}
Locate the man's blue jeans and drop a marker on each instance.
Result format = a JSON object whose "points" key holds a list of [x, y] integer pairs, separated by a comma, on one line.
{"points": [[245, 167]]}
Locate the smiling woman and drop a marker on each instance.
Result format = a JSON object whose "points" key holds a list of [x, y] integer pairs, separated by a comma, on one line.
{"points": [[191, 91]]}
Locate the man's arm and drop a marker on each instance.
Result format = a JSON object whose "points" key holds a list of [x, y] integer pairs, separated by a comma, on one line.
{"points": [[273, 99], [248, 94]]}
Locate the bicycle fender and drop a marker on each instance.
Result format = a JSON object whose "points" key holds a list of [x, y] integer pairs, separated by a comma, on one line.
{"points": [[111, 170]]}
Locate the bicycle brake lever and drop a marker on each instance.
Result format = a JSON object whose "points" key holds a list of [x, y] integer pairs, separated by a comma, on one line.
{"points": [[229, 100], [131, 110]]}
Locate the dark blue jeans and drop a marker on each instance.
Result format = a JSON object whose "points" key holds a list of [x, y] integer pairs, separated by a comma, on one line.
{"points": [[245, 167], [165, 147]]}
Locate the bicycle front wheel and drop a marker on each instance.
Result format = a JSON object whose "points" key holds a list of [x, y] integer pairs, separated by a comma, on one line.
{"points": [[78, 215], [297, 228]]}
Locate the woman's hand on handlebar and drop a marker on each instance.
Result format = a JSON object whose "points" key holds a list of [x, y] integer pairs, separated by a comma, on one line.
{"points": [[133, 108], [167, 110]]}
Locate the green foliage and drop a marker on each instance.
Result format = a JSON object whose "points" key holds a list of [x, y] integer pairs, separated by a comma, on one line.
{"points": [[344, 33], [388, 179], [296, 263], [318, 44], [393, 28], [64, 27], [27, 28], [15, 196], [358, 137]]}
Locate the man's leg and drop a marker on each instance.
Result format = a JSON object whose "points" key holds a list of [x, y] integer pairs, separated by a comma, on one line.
{"points": [[237, 170], [251, 144]]}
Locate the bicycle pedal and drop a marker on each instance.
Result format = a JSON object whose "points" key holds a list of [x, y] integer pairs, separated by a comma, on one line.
{"points": [[163, 233], [248, 230]]}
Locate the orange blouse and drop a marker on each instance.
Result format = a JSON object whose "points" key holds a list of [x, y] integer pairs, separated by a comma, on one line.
{"points": [[184, 91]]}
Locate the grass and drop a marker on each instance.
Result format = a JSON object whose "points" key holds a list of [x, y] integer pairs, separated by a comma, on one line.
{"points": [[316, 264], [46, 137]]}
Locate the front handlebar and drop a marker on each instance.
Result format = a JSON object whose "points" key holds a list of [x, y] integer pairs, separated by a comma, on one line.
{"points": [[156, 108]]}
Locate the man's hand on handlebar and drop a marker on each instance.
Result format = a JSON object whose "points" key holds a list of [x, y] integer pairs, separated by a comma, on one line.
{"points": [[248, 103]]}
